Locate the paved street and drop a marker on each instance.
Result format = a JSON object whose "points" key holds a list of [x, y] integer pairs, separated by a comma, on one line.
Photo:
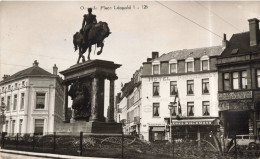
{"points": [[15, 156]]}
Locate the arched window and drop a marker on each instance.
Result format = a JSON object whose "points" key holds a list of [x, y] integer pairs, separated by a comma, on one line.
{"points": [[189, 64], [156, 67], [173, 66], [204, 63]]}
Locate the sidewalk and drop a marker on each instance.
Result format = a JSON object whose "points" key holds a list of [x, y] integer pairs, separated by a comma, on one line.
{"points": [[48, 155]]}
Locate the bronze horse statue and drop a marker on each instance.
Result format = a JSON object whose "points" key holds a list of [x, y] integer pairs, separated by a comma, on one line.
{"points": [[96, 35]]}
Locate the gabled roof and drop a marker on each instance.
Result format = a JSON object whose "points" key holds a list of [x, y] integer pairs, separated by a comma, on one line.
{"points": [[241, 42], [195, 53], [31, 71]]}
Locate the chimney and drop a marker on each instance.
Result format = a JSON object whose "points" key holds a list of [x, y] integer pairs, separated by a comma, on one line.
{"points": [[5, 76], [254, 31], [155, 55], [149, 59], [224, 41], [35, 63], [55, 70]]}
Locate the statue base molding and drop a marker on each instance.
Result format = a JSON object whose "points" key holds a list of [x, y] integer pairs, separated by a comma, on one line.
{"points": [[90, 127]]}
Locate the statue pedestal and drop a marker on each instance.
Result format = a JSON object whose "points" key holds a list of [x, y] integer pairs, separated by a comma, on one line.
{"points": [[90, 127], [88, 82]]}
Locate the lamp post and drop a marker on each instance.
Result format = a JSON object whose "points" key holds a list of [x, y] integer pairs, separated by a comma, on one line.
{"points": [[170, 106]]}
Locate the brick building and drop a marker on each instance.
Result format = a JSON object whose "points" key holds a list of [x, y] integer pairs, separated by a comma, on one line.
{"points": [[239, 82]]}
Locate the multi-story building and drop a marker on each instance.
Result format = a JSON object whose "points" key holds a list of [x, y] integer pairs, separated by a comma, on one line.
{"points": [[188, 77], [129, 105], [34, 100], [239, 83]]}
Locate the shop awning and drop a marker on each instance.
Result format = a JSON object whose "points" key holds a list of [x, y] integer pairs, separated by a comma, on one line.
{"points": [[195, 122], [158, 128]]}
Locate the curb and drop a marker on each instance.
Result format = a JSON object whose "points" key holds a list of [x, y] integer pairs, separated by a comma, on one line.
{"points": [[47, 155]]}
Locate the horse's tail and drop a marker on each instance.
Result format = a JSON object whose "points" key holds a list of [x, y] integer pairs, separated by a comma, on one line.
{"points": [[75, 41]]}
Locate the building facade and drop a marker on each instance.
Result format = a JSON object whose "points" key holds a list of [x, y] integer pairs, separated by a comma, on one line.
{"points": [[239, 83], [186, 79], [129, 105], [34, 100]]}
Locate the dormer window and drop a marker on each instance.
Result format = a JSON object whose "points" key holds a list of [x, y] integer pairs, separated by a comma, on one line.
{"points": [[173, 66], [156, 67], [204, 64], [189, 64]]}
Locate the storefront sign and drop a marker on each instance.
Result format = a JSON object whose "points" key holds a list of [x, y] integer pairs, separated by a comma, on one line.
{"points": [[236, 105], [157, 79], [156, 124], [192, 123], [235, 95]]}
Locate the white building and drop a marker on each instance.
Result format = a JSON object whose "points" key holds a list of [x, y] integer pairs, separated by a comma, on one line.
{"points": [[192, 75], [34, 100], [129, 104]]}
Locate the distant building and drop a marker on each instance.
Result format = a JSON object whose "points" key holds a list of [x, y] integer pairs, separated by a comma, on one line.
{"points": [[192, 75], [239, 83], [34, 100], [129, 105]]}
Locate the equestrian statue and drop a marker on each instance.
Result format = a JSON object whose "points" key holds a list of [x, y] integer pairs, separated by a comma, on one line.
{"points": [[91, 33]]}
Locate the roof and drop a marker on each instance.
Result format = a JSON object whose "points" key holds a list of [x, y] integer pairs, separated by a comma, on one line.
{"points": [[240, 41], [195, 53], [31, 71]]}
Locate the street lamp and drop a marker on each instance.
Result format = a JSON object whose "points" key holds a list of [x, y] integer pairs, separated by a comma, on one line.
{"points": [[170, 107]]}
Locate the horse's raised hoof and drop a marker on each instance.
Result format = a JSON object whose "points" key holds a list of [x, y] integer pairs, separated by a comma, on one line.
{"points": [[99, 52]]}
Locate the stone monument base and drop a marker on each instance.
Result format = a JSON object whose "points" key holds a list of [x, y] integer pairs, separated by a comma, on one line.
{"points": [[89, 127]]}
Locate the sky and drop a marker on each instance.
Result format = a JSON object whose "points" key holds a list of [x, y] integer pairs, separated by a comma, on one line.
{"points": [[43, 31]]}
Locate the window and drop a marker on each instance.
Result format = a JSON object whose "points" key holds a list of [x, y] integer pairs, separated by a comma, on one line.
{"points": [[244, 79], [13, 126], [190, 106], [156, 89], [38, 127], [40, 100], [235, 80], [3, 89], [174, 110], [6, 126], [258, 77], [9, 87], [189, 66], [8, 103], [173, 68], [226, 81], [23, 83], [156, 108], [173, 87], [15, 85], [190, 87], [22, 101], [205, 65], [20, 125], [155, 69], [205, 86], [205, 108], [15, 102], [2, 101]]}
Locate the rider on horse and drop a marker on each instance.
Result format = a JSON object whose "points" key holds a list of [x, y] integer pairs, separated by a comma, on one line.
{"points": [[88, 22]]}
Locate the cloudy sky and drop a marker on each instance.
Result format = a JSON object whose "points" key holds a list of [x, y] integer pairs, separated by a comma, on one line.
{"points": [[43, 31]]}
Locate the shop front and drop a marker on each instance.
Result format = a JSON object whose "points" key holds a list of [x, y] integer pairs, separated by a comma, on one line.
{"points": [[157, 132], [193, 129], [236, 110]]}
